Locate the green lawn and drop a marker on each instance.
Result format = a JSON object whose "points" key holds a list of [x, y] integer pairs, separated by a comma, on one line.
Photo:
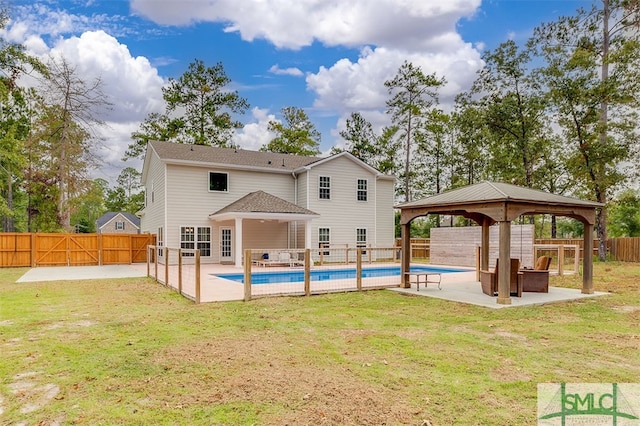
{"points": [[130, 351]]}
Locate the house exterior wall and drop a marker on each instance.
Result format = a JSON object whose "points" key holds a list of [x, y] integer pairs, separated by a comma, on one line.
{"points": [[385, 223], [179, 196], [191, 202], [343, 213], [154, 186]]}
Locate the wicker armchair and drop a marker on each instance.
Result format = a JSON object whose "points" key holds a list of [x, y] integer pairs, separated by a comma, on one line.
{"points": [[536, 280], [489, 280]]}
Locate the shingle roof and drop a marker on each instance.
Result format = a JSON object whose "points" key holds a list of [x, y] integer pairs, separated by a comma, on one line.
{"points": [[171, 151], [105, 218], [494, 191], [262, 202]]}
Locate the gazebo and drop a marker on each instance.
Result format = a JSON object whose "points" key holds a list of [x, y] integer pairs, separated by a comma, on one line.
{"points": [[489, 202]]}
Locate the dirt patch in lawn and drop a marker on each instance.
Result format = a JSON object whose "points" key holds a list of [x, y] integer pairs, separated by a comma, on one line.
{"points": [[262, 372]]}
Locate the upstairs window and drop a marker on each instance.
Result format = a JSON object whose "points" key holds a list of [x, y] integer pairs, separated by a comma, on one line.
{"points": [[324, 188], [119, 226], [362, 190], [218, 182]]}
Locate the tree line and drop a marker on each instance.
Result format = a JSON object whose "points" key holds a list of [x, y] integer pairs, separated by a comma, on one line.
{"points": [[558, 113]]}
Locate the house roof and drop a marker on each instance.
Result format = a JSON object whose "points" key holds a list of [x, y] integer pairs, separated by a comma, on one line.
{"points": [[109, 216], [201, 154], [484, 192], [263, 202]]}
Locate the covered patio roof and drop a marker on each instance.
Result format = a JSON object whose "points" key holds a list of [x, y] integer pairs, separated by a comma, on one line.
{"points": [[260, 205], [489, 202]]}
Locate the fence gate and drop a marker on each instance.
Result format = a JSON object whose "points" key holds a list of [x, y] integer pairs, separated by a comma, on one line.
{"points": [[30, 250]]}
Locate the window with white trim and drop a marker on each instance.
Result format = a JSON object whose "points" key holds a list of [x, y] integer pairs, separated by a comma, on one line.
{"points": [[196, 237], [324, 238], [361, 238], [362, 190], [160, 240], [187, 239], [119, 226], [204, 240], [218, 182], [324, 188]]}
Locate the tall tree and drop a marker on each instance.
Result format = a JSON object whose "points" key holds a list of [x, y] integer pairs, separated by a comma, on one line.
{"points": [[471, 141], [297, 135], [14, 121], [412, 95], [68, 126], [514, 108], [378, 151], [361, 139], [593, 74], [200, 110], [624, 217], [127, 196]]}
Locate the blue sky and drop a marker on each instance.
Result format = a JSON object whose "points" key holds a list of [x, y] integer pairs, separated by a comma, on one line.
{"points": [[330, 58]]}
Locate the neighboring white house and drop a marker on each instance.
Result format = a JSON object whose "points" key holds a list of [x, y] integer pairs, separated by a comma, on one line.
{"points": [[223, 201], [118, 223]]}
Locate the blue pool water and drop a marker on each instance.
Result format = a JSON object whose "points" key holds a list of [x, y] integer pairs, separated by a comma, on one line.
{"points": [[297, 276]]}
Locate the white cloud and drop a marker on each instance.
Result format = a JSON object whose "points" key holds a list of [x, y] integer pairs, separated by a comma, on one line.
{"points": [[116, 138], [349, 86], [295, 24], [131, 84], [255, 134], [418, 31], [295, 72]]}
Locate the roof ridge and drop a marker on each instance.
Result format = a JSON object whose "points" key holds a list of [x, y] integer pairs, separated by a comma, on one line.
{"points": [[498, 189]]}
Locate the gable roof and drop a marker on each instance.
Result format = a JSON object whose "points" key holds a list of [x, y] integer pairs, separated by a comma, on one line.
{"points": [[109, 216], [260, 204], [231, 158], [484, 192], [241, 158]]}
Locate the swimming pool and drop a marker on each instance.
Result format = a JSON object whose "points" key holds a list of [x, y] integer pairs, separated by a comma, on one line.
{"points": [[297, 276]]}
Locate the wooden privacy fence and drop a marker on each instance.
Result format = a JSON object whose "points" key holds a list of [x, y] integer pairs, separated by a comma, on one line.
{"points": [[37, 249], [624, 249]]}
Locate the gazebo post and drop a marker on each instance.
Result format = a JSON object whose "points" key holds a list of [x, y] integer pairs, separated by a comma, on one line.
{"points": [[406, 255], [504, 266], [587, 260], [484, 245]]}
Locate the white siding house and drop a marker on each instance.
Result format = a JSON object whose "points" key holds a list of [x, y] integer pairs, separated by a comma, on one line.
{"points": [[224, 201]]}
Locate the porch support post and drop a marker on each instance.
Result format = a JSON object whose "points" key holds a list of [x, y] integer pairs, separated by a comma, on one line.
{"points": [[587, 260], [307, 234], [238, 243], [504, 266], [406, 255]]}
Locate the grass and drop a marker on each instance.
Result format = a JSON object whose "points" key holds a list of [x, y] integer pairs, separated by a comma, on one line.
{"points": [[130, 351]]}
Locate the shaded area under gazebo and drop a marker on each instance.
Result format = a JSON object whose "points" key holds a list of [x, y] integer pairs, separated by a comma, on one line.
{"points": [[488, 203]]}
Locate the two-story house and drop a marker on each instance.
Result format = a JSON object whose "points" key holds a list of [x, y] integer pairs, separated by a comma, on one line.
{"points": [[223, 201]]}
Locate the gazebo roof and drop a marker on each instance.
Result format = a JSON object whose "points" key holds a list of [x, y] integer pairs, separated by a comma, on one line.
{"points": [[498, 202], [485, 192]]}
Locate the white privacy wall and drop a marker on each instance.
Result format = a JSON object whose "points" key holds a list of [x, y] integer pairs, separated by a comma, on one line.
{"points": [[457, 246]]}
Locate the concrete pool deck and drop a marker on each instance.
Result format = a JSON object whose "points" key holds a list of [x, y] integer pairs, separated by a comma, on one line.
{"points": [[460, 287]]}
